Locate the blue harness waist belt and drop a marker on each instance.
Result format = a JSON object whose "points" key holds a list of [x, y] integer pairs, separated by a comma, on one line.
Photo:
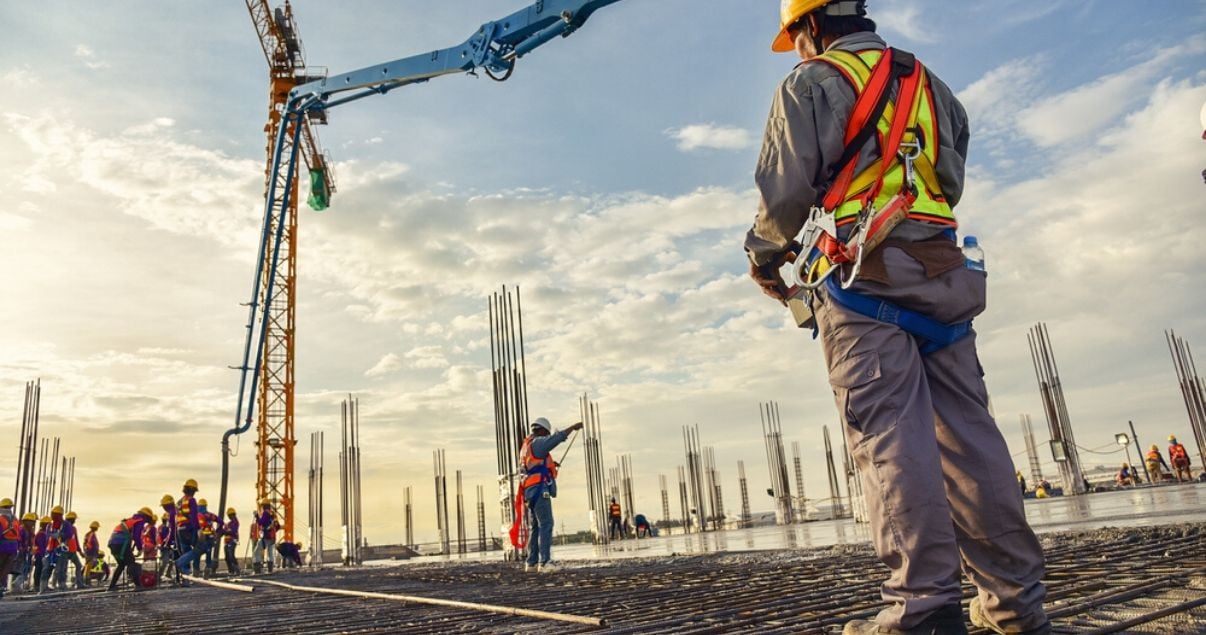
{"points": [[933, 334]]}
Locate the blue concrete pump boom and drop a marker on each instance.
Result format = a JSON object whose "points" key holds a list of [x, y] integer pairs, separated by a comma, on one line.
{"points": [[495, 48]]}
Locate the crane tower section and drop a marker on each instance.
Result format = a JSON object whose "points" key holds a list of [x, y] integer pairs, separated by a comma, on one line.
{"points": [[275, 438]]}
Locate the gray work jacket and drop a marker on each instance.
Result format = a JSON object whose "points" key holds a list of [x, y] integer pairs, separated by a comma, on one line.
{"points": [[543, 446], [805, 135]]}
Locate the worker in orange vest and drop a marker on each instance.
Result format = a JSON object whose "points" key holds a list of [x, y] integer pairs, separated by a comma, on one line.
{"points": [[91, 548], [10, 541], [1155, 463], [539, 488], [615, 521], [1179, 459]]}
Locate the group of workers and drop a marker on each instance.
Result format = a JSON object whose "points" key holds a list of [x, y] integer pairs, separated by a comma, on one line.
{"points": [[1157, 469], [36, 552], [621, 527]]}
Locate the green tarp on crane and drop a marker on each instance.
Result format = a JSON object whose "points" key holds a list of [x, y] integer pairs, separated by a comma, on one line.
{"points": [[320, 198]]}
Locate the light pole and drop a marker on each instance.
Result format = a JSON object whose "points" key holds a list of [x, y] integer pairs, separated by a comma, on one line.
{"points": [[1139, 451], [1125, 442]]}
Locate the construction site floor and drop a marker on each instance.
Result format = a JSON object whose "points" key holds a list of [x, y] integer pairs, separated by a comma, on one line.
{"points": [[1132, 580]]}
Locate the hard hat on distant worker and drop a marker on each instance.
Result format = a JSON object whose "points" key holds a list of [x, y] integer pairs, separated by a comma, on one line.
{"points": [[543, 424], [164, 518], [8, 502], [72, 516], [146, 513], [167, 500], [790, 12], [1172, 438], [30, 518], [230, 512], [264, 502], [46, 520], [191, 483], [58, 509], [1155, 447], [94, 525], [201, 502]]}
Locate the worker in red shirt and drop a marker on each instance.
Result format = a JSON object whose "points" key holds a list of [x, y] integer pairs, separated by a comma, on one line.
{"points": [[1179, 459]]}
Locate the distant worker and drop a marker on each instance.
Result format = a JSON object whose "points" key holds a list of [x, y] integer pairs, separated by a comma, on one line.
{"points": [[25, 551], [1179, 459], [91, 547], [290, 554], [10, 541], [265, 545], [54, 552], [98, 571], [125, 540], [1155, 464], [1021, 481], [642, 526], [230, 539], [539, 488], [40, 554], [1125, 476], [203, 549], [71, 540], [898, 342], [188, 527], [164, 539], [615, 521]]}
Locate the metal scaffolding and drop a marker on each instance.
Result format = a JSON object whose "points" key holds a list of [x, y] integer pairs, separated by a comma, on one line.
{"points": [[1063, 442]]}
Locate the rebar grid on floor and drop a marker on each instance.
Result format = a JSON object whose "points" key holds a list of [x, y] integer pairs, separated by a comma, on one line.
{"points": [[1143, 580]]}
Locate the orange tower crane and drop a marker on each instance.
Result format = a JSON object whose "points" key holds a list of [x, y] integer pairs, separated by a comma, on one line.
{"points": [[275, 440]]}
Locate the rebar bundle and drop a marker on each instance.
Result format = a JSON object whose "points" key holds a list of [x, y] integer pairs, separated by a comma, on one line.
{"points": [[510, 391], [624, 472], [684, 503], [27, 446], [801, 503], [409, 513], [835, 490], [1193, 390], [776, 460], [745, 495], [461, 544], [661, 480], [1063, 442], [315, 506], [349, 483], [715, 496], [695, 476], [596, 492], [854, 486], [481, 519], [1036, 468], [441, 500]]}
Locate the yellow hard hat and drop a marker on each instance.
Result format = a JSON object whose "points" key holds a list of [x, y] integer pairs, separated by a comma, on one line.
{"points": [[191, 483], [167, 500], [202, 503], [8, 502], [230, 512], [72, 516], [1172, 437], [94, 525], [265, 501], [1156, 448], [46, 520], [146, 512], [164, 518], [58, 509], [790, 12], [30, 517]]}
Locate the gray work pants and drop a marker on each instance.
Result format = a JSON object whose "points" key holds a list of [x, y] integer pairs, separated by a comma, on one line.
{"points": [[937, 475]]}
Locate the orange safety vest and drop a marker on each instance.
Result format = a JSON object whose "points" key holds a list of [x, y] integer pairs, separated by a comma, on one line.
{"points": [[184, 508], [1178, 454], [538, 470], [126, 527], [614, 511], [930, 204], [1154, 455], [9, 528]]}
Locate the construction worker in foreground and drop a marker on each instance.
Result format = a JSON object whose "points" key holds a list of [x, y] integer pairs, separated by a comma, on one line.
{"points": [[71, 540], [615, 520], [10, 541], [125, 540], [1155, 463], [54, 552], [188, 527], [203, 547], [265, 544], [910, 390], [230, 539], [91, 548], [1179, 459], [539, 488]]}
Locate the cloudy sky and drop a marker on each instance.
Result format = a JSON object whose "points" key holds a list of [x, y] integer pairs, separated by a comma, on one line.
{"points": [[610, 179]]}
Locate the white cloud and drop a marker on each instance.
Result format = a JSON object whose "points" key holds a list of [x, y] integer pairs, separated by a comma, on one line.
{"points": [[89, 58], [388, 364], [712, 136], [905, 18]]}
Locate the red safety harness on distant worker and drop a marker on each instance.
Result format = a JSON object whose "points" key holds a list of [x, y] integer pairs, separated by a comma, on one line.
{"points": [[539, 473]]}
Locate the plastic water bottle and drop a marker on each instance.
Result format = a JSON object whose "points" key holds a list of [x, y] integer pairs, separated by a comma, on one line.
{"points": [[973, 254]]}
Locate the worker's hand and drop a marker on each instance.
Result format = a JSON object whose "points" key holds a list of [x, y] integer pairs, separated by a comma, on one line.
{"points": [[768, 279], [576, 427]]}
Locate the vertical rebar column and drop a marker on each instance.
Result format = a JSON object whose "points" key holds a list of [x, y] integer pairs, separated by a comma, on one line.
{"points": [[626, 487], [40, 486], [661, 480], [776, 462], [509, 383], [53, 473], [71, 483], [410, 517], [1051, 388], [685, 506], [801, 502], [854, 486], [26, 501], [596, 485], [315, 505], [461, 544], [481, 520], [345, 523], [441, 491], [695, 476], [359, 517], [745, 495], [835, 491], [1032, 455], [1193, 390]]}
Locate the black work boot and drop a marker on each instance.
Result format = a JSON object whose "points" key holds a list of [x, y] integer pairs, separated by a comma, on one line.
{"points": [[947, 620], [979, 619]]}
